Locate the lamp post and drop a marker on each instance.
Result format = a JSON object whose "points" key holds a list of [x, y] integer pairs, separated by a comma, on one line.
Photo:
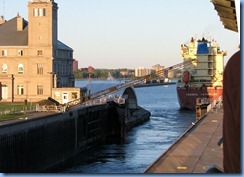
{"points": [[90, 70], [89, 84], [12, 87]]}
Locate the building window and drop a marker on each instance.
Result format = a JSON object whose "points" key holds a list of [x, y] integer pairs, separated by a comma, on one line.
{"points": [[74, 95], [20, 89], [40, 69], [4, 52], [39, 90], [39, 52], [4, 68], [20, 68], [35, 12], [56, 53], [39, 12], [20, 52], [42, 12]]}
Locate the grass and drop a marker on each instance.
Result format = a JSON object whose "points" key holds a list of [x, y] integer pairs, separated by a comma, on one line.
{"points": [[11, 107], [11, 116]]}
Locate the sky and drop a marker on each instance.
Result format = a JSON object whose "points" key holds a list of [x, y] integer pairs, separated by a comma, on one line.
{"points": [[132, 33]]}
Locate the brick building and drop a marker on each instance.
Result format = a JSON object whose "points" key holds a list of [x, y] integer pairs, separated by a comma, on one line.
{"points": [[75, 65], [32, 60]]}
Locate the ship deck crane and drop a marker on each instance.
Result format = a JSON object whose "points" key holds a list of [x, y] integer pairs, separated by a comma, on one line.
{"points": [[118, 87]]}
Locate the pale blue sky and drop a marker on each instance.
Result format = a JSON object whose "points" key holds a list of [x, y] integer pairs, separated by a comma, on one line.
{"points": [[132, 33]]}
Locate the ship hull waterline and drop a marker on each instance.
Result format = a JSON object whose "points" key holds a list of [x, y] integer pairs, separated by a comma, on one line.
{"points": [[187, 95]]}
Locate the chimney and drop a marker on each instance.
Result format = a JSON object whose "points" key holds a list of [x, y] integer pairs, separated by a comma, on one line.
{"points": [[20, 23], [2, 21]]}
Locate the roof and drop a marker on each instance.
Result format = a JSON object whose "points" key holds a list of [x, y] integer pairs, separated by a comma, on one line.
{"points": [[49, 101], [62, 46], [227, 12], [10, 36]]}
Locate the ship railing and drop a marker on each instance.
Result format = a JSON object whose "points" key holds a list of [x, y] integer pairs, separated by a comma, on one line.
{"points": [[115, 98], [205, 105], [201, 101], [215, 104], [49, 108]]}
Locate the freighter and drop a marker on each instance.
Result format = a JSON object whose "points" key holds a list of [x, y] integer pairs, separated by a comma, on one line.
{"points": [[202, 75]]}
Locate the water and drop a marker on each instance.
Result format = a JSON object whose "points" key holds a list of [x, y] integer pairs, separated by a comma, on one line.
{"points": [[144, 143]]}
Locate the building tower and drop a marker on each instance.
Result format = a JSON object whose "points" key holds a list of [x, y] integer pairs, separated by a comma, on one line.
{"points": [[43, 19]]}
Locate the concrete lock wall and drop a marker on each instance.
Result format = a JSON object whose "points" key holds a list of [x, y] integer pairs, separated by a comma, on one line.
{"points": [[130, 96], [37, 144], [132, 99], [34, 145]]}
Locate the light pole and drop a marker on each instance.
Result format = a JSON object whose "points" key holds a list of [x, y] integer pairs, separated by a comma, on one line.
{"points": [[90, 70], [89, 84]]}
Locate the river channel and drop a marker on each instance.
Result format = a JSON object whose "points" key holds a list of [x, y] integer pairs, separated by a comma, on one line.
{"points": [[144, 143]]}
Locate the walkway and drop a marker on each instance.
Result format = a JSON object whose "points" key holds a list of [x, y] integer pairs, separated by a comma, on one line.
{"points": [[196, 150]]}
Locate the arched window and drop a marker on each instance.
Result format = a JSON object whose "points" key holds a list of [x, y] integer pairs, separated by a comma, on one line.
{"points": [[20, 68], [4, 68]]}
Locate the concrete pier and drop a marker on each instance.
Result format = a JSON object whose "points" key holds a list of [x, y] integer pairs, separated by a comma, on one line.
{"points": [[196, 150]]}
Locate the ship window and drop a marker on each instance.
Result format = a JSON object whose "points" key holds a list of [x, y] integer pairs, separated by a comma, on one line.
{"points": [[210, 72]]}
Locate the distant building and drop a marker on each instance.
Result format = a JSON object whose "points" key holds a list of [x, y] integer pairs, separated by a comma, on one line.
{"points": [[124, 72], [157, 67], [75, 65], [142, 71], [90, 69], [171, 74], [32, 60]]}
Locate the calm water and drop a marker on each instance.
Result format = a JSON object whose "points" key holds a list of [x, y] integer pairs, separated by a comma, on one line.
{"points": [[145, 143]]}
